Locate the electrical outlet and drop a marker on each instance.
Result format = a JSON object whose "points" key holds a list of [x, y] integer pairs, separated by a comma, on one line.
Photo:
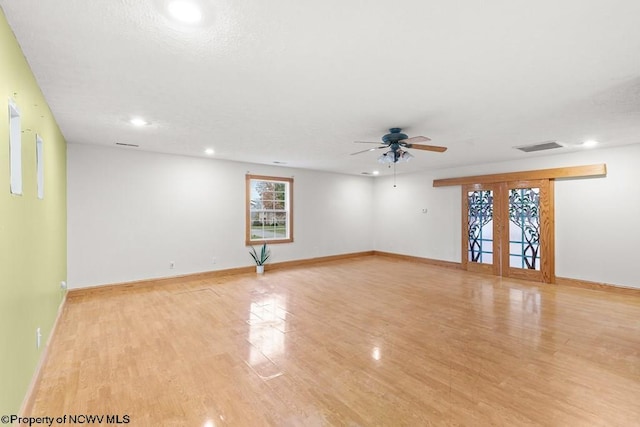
{"points": [[213, 260], [38, 338], [172, 265]]}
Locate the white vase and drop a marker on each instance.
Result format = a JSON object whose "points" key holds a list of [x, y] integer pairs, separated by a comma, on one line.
{"points": [[259, 269]]}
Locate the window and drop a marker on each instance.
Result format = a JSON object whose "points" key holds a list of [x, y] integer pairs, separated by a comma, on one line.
{"points": [[269, 210]]}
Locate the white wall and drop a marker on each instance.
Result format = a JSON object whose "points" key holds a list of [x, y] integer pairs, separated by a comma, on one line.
{"points": [[401, 226], [597, 219], [130, 213]]}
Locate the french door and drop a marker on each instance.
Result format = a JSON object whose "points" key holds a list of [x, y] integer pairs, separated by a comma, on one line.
{"points": [[508, 229]]}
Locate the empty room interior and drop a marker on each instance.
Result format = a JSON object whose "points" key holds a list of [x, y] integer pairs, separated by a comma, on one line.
{"points": [[320, 213]]}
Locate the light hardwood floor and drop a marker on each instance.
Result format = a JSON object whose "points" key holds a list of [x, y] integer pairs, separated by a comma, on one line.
{"points": [[369, 341]]}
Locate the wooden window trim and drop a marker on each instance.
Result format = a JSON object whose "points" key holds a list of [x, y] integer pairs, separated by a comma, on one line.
{"points": [[248, 178]]}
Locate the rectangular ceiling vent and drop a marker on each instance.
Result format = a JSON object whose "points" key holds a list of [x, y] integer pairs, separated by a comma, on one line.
{"points": [[547, 145], [127, 145]]}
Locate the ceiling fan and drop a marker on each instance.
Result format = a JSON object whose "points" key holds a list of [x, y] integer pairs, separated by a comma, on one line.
{"points": [[396, 142]]}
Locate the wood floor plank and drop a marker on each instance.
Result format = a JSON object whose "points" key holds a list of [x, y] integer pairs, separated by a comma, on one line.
{"points": [[367, 341]]}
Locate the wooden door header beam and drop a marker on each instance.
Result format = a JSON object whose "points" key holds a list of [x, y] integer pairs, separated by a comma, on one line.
{"points": [[568, 172]]}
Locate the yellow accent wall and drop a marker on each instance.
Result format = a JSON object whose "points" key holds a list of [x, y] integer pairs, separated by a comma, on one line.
{"points": [[33, 248]]}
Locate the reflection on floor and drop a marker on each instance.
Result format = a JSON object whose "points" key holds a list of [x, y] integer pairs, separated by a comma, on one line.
{"points": [[369, 341]]}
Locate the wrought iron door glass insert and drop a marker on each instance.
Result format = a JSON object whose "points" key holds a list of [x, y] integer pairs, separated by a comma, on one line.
{"points": [[480, 226], [524, 228]]}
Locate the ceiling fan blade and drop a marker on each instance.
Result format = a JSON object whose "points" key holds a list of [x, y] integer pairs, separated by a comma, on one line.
{"points": [[366, 142], [368, 149], [416, 139], [427, 147]]}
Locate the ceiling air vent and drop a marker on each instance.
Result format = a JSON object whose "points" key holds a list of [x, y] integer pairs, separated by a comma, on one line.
{"points": [[127, 145], [547, 145]]}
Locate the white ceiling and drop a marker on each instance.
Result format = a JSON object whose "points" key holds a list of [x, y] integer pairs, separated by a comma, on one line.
{"points": [[298, 81]]}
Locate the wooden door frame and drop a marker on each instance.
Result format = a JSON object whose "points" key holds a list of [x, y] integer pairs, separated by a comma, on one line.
{"points": [[495, 267], [546, 274], [500, 265]]}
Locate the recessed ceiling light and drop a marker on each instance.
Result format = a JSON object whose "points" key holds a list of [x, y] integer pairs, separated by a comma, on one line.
{"points": [[209, 151], [185, 11], [590, 143], [376, 172], [138, 121]]}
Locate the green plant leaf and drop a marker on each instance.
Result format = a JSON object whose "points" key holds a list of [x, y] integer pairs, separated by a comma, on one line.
{"points": [[263, 257]]}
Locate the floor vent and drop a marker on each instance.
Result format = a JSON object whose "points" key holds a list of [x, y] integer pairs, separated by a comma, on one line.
{"points": [[547, 145]]}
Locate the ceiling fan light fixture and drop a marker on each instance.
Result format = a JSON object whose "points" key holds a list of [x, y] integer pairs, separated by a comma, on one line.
{"points": [[387, 157], [397, 156], [404, 156]]}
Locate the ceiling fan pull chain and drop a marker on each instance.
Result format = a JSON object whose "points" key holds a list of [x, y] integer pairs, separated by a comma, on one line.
{"points": [[394, 175]]}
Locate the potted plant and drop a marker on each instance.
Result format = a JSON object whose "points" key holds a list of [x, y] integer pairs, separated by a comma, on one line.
{"points": [[260, 258]]}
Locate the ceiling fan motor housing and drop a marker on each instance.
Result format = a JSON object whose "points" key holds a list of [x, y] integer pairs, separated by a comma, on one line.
{"points": [[394, 136]]}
